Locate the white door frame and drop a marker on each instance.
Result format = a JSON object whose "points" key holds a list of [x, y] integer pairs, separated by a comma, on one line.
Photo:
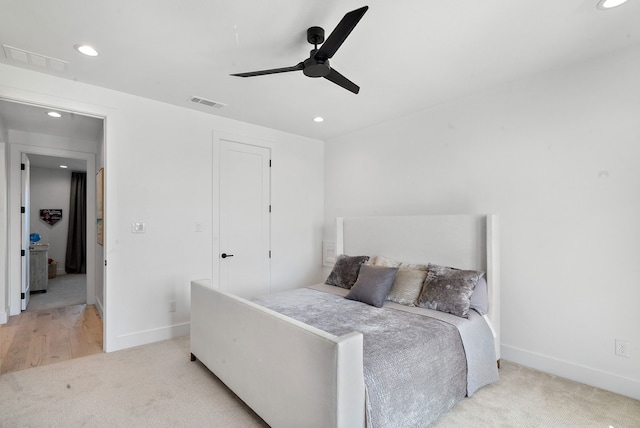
{"points": [[15, 157], [110, 116], [25, 228]]}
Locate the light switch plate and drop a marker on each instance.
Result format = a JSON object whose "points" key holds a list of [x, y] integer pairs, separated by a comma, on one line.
{"points": [[328, 253], [137, 227]]}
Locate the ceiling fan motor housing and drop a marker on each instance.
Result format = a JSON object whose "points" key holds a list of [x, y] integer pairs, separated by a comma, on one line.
{"points": [[314, 67]]}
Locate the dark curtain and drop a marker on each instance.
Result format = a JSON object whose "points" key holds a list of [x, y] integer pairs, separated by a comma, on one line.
{"points": [[77, 237]]}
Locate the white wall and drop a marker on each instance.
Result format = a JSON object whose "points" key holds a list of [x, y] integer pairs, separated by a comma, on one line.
{"points": [[51, 188], [44, 140], [158, 169], [4, 296], [3, 131], [556, 156], [4, 310]]}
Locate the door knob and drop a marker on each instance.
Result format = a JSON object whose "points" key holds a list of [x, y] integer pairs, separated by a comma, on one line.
{"points": [[225, 255]]}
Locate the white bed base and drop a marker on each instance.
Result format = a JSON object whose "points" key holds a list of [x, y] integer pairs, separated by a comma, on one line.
{"points": [[289, 373], [295, 375]]}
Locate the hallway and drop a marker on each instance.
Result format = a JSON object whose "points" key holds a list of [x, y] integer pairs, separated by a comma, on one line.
{"points": [[63, 290], [37, 338]]}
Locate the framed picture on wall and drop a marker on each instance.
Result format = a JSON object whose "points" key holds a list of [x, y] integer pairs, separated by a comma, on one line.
{"points": [[51, 216], [100, 205]]}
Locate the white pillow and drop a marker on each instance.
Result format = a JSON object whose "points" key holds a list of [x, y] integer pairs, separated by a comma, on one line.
{"points": [[385, 262], [413, 266]]}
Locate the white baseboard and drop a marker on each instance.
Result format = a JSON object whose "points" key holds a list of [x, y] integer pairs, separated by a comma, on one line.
{"points": [[149, 336], [4, 317], [576, 372], [100, 308]]}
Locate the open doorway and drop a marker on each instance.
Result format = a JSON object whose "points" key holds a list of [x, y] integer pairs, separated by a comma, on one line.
{"points": [[77, 141], [57, 225]]}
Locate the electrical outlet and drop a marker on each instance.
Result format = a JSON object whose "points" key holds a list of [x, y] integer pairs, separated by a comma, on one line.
{"points": [[622, 348], [172, 306]]}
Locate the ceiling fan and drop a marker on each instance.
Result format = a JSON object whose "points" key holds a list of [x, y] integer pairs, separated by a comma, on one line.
{"points": [[317, 65]]}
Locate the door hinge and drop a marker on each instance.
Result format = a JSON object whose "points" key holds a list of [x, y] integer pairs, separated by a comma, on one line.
{"points": [[269, 253], [105, 262], [269, 163], [269, 208], [22, 210], [23, 253], [23, 167], [23, 296]]}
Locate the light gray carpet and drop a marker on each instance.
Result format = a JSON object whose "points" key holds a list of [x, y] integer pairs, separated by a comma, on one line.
{"points": [[63, 290], [157, 386]]}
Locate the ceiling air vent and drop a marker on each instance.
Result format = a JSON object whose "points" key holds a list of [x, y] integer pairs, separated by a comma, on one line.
{"points": [[206, 102], [38, 60]]}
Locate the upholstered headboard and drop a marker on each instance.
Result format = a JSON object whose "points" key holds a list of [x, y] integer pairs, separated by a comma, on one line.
{"points": [[460, 241]]}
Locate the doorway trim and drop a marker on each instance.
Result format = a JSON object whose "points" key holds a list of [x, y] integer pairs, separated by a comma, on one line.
{"points": [[109, 116], [15, 154]]}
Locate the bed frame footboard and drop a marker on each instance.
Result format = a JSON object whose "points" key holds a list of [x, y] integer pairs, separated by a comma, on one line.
{"points": [[273, 362]]}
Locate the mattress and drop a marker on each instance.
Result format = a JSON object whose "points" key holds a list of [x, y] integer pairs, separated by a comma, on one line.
{"points": [[417, 362]]}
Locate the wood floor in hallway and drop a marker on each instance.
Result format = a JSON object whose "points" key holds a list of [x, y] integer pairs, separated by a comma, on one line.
{"points": [[38, 338]]}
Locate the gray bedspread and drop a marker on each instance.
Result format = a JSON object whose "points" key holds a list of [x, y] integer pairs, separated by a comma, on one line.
{"points": [[415, 365]]}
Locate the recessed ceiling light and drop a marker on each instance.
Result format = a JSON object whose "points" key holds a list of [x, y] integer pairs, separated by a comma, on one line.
{"points": [[86, 50], [609, 4], [54, 114], [318, 119], [64, 166]]}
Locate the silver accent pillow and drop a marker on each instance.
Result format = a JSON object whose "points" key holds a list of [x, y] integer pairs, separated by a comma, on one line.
{"points": [[406, 286], [448, 290], [345, 271]]}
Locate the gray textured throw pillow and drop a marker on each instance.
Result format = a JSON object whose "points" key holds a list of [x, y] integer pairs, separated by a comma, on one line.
{"points": [[345, 271], [373, 285], [480, 297], [448, 290]]}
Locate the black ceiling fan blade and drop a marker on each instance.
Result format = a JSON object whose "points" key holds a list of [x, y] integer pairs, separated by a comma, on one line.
{"points": [[340, 80], [340, 34], [296, 67]]}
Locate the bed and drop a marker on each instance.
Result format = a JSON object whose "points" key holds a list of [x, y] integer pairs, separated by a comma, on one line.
{"points": [[296, 367]]}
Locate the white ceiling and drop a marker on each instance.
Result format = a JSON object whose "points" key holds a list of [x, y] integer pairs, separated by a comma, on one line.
{"points": [[406, 55], [29, 118], [34, 119]]}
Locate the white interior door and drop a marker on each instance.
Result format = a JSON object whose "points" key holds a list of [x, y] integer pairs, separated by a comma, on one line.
{"points": [[245, 268], [24, 204]]}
